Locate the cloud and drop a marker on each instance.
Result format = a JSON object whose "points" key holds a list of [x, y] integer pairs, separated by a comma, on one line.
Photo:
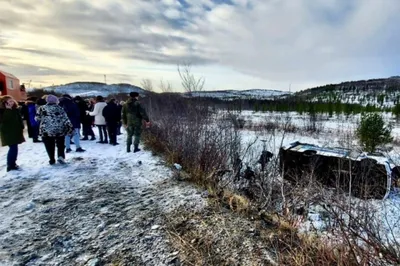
{"points": [[279, 41], [33, 51], [33, 70]]}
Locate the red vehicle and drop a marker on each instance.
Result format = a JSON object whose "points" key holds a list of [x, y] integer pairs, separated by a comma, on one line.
{"points": [[9, 85]]}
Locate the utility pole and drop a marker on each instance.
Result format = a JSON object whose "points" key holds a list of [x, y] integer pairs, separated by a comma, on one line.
{"points": [[105, 79]]}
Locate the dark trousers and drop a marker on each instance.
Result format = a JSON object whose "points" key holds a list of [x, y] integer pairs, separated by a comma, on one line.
{"points": [[112, 132], [87, 130], [33, 131], [50, 143], [12, 155], [103, 130], [119, 125]]}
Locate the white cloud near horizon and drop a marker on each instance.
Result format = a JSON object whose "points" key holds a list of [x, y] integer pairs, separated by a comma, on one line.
{"points": [[234, 44]]}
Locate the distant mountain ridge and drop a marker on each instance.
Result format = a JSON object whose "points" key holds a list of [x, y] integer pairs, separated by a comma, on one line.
{"points": [[87, 89], [261, 94], [384, 92]]}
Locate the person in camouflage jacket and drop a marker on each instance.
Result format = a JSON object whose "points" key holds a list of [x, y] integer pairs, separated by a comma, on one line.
{"points": [[132, 116]]}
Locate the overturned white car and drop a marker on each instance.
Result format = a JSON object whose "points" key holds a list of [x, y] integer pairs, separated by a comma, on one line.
{"points": [[362, 175]]}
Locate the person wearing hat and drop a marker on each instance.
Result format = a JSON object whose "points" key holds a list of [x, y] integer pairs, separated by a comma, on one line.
{"points": [[54, 126], [132, 116]]}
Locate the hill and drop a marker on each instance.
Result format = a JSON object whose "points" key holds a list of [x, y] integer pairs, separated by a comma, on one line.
{"points": [[87, 89], [383, 92], [261, 94]]}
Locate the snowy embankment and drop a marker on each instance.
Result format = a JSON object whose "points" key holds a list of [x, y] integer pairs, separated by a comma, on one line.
{"points": [[103, 207], [335, 132]]}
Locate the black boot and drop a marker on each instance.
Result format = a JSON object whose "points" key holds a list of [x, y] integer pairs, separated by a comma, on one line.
{"points": [[136, 148], [12, 168]]}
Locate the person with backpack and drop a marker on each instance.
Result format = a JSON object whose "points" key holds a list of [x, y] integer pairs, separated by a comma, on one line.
{"points": [[132, 116], [11, 129]]}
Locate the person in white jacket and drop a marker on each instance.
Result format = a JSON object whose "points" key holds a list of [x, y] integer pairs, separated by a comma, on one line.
{"points": [[99, 119]]}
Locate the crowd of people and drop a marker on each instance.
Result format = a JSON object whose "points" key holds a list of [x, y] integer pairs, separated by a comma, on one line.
{"points": [[57, 122]]}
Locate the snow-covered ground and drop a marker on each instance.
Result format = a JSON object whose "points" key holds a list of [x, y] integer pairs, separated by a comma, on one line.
{"points": [[336, 132], [103, 207]]}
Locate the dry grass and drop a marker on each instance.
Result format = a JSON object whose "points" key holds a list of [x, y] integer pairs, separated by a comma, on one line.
{"points": [[231, 232], [217, 236]]}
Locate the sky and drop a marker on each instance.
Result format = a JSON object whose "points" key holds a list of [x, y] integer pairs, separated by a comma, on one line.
{"points": [[233, 44]]}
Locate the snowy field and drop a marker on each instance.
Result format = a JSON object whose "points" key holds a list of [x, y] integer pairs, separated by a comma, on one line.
{"points": [[333, 132], [102, 206], [336, 132]]}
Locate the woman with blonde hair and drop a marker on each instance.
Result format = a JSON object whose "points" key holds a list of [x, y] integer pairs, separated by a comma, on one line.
{"points": [[11, 129]]}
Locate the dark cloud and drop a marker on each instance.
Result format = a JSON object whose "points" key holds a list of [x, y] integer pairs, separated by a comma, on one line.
{"points": [[32, 70], [115, 29], [34, 51], [174, 60], [273, 40]]}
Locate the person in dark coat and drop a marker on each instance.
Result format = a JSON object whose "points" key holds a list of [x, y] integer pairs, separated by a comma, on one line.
{"points": [[41, 101], [120, 104], [72, 110], [87, 120], [82, 110], [29, 113], [54, 126], [112, 115], [11, 129]]}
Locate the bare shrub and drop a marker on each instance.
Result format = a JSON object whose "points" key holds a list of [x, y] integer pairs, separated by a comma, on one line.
{"points": [[147, 85], [184, 130], [364, 235], [270, 126], [189, 82], [237, 121], [209, 147], [363, 232], [313, 123], [165, 87]]}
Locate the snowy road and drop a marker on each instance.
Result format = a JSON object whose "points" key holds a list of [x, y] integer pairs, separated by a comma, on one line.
{"points": [[101, 208]]}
